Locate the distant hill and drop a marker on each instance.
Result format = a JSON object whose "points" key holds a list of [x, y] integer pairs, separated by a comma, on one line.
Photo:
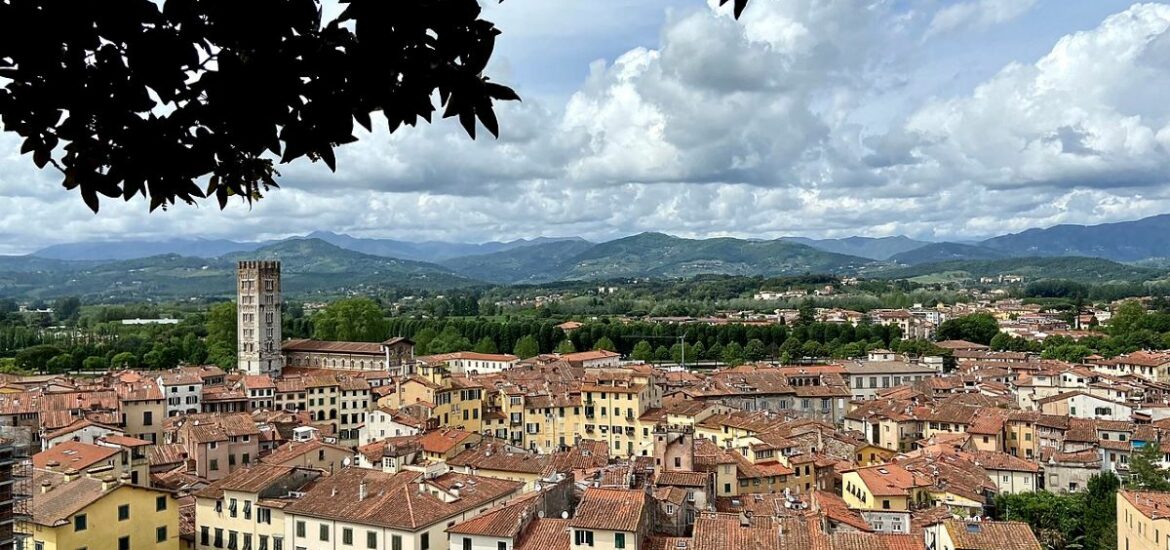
{"points": [[126, 250], [310, 266], [428, 251], [659, 255], [942, 252], [537, 263], [1086, 270], [879, 248], [1122, 241]]}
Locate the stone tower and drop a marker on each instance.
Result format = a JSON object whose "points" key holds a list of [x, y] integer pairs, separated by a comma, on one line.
{"points": [[258, 301]]}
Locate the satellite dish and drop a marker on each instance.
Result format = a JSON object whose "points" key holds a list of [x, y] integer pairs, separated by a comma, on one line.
{"points": [[345, 462], [565, 514]]}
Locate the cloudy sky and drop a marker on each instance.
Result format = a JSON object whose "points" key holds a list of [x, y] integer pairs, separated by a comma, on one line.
{"points": [[821, 118]]}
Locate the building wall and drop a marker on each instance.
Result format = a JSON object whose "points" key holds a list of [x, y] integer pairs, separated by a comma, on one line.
{"points": [[209, 519], [103, 528], [144, 419], [1135, 531]]}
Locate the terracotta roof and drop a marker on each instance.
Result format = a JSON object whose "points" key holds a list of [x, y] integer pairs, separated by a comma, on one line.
{"points": [[125, 441], [683, 479], [717, 531], [502, 521], [610, 509], [492, 457], [991, 460], [394, 500], [991, 535], [873, 541], [443, 440], [890, 480], [321, 346], [296, 449], [63, 498], [248, 480], [158, 455], [73, 454], [834, 508], [1152, 504], [545, 534]]}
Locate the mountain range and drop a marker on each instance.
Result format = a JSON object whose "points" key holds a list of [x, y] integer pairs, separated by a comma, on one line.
{"points": [[324, 262]]}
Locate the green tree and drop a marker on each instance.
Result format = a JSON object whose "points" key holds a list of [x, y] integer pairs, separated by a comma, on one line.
{"points": [[1101, 511], [222, 326], [94, 364], [1057, 519], [1001, 341], [605, 343], [526, 347], [67, 308], [350, 320], [661, 354], [1145, 473], [449, 341], [36, 358], [59, 364], [807, 313], [733, 354], [566, 346], [643, 351], [124, 360], [485, 345], [755, 350], [1128, 317], [977, 327]]}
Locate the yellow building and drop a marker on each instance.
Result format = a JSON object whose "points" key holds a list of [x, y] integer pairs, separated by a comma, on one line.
{"points": [[883, 487], [1143, 520], [246, 508], [97, 510]]}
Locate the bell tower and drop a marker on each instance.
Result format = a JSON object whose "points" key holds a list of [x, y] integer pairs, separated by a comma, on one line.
{"points": [[258, 304]]}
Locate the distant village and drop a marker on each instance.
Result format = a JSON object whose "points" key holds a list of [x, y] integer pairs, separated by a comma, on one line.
{"points": [[320, 444]]}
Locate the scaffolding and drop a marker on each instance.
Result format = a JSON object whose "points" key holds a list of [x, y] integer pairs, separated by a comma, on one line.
{"points": [[15, 487]]}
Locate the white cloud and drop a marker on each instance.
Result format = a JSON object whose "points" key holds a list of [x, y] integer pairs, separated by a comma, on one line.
{"points": [[976, 14]]}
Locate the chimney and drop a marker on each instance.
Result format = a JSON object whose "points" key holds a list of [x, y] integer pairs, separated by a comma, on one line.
{"points": [[108, 482], [46, 486], [71, 474], [362, 491]]}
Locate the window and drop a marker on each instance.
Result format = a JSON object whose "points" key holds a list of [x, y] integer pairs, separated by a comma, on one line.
{"points": [[264, 515], [123, 512], [232, 540], [232, 508], [277, 543], [323, 533], [147, 418], [466, 543], [205, 536], [300, 528], [885, 505], [583, 538], [124, 543], [619, 540], [214, 464], [160, 504], [424, 542], [79, 523], [371, 539], [160, 534], [396, 542], [218, 537], [263, 542], [346, 536]]}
